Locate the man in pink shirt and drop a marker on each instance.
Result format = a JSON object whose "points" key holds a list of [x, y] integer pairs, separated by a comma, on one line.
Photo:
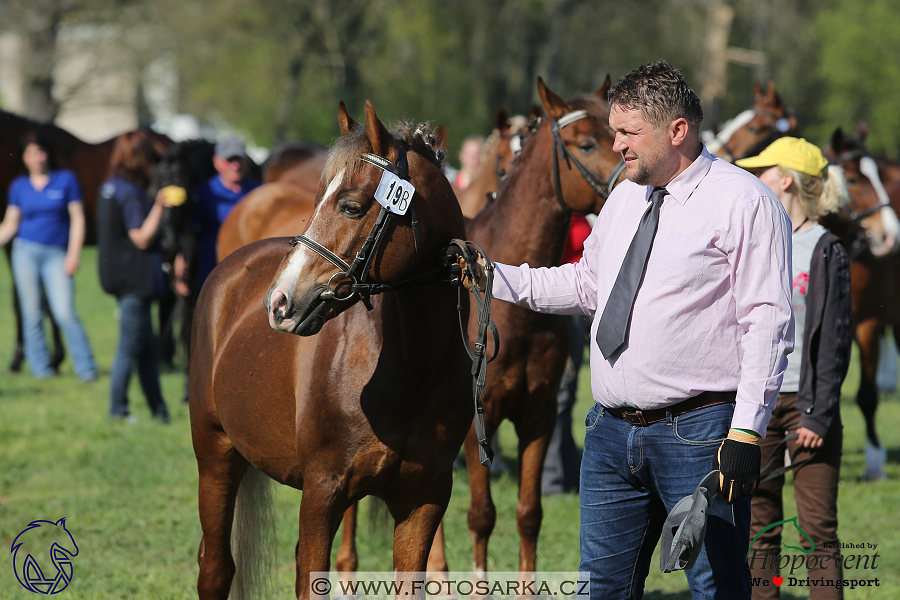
{"points": [[687, 353]]}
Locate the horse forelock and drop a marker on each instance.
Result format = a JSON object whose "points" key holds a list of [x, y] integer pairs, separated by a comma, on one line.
{"points": [[344, 154]]}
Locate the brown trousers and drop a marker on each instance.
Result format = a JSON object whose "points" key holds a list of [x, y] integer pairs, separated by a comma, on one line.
{"points": [[816, 489]]}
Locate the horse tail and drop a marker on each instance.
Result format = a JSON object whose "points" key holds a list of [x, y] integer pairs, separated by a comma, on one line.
{"points": [[379, 517], [253, 537]]}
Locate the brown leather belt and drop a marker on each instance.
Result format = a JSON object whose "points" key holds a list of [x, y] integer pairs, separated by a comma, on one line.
{"points": [[648, 417]]}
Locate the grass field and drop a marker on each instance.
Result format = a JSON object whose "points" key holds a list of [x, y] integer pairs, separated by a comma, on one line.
{"points": [[129, 491]]}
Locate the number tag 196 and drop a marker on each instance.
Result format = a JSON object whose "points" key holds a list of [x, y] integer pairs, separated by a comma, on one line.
{"points": [[394, 194]]}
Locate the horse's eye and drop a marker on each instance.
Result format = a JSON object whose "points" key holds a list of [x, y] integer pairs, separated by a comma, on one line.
{"points": [[587, 146], [753, 129], [350, 208], [852, 180]]}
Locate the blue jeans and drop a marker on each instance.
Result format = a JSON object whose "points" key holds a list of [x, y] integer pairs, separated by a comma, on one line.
{"points": [[34, 264], [631, 477], [137, 348]]}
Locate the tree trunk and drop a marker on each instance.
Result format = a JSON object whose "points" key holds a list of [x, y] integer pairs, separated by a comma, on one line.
{"points": [[42, 19]]}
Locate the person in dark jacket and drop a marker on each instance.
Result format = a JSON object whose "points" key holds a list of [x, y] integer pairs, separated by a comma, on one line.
{"points": [[130, 265], [807, 418]]}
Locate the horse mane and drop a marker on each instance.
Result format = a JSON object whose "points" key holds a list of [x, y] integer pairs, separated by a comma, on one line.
{"points": [[345, 153]]}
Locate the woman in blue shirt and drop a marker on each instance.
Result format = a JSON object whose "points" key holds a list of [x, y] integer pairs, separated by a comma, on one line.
{"points": [[45, 215], [130, 265]]}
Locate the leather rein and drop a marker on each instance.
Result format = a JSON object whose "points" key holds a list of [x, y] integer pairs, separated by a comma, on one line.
{"points": [[603, 187], [358, 271]]}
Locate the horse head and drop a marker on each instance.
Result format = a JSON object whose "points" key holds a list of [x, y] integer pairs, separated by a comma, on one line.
{"points": [[586, 167], [753, 130], [181, 169], [351, 240], [869, 215]]}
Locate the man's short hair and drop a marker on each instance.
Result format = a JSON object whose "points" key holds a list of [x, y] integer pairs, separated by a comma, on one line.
{"points": [[659, 91]]}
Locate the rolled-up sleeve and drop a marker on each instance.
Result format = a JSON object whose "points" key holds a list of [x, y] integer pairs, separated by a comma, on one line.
{"points": [[761, 260]]}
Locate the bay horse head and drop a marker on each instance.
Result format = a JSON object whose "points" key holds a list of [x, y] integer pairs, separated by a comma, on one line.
{"points": [[754, 129], [352, 242], [868, 221], [582, 148]]}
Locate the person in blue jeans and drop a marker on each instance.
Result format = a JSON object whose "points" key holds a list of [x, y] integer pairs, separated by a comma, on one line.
{"points": [[45, 215], [130, 263]]}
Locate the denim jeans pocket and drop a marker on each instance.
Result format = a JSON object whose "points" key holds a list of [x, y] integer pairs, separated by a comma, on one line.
{"points": [[704, 427], [593, 416]]}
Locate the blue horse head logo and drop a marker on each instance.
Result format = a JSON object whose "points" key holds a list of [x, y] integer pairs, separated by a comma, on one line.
{"points": [[38, 541]]}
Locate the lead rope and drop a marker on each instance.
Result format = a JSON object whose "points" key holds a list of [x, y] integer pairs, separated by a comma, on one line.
{"points": [[485, 324]]}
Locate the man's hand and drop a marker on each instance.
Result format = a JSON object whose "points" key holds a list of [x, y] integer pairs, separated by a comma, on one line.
{"points": [[808, 438], [738, 461], [479, 269]]}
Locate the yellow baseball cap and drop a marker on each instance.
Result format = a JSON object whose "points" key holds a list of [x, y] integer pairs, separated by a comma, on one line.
{"points": [[790, 152]]}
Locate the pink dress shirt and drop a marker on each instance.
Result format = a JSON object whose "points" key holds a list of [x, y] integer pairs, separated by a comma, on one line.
{"points": [[714, 310]]}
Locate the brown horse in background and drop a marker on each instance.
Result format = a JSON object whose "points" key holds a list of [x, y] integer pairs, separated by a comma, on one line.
{"points": [[754, 129], [871, 232], [497, 155], [89, 163], [359, 402], [298, 163]]}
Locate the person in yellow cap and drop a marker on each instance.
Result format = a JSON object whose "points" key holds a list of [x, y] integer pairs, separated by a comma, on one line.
{"points": [[807, 416]]}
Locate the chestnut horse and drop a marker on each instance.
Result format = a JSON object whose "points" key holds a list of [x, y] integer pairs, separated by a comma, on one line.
{"points": [[871, 231], [498, 153], [529, 223], [359, 402], [754, 129], [89, 162], [298, 163]]}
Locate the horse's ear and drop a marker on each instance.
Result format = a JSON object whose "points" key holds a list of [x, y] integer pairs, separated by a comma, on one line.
{"points": [[378, 135], [603, 90], [757, 93], [61, 522], [862, 131], [440, 137], [501, 120], [553, 104], [346, 121], [770, 92], [837, 140]]}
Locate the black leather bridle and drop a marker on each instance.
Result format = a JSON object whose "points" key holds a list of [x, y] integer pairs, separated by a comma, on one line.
{"points": [[603, 187]]}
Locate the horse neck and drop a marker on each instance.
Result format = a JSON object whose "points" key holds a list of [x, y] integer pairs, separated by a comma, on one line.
{"points": [[474, 198], [526, 223]]}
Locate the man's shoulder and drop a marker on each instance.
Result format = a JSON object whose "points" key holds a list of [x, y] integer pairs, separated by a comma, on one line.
{"points": [[737, 184]]}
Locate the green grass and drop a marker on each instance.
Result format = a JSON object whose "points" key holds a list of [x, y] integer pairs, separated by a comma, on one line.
{"points": [[129, 491]]}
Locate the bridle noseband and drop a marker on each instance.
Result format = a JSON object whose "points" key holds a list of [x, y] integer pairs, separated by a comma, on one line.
{"points": [[357, 272], [603, 187]]}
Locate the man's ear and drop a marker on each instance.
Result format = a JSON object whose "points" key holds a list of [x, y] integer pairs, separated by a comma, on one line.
{"points": [[678, 130]]}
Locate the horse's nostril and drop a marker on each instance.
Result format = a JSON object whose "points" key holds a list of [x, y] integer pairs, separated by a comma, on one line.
{"points": [[278, 304]]}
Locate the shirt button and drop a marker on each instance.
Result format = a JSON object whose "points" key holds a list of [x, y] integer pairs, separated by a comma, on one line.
{"points": [[618, 368]]}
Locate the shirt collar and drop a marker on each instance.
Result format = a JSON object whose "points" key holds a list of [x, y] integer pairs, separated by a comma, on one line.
{"points": [[687, 181]]}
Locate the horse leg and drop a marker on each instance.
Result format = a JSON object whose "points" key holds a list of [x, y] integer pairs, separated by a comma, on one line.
{"points": [[867, 334], [221, 468], [320, 516], [534, 439], [347, 558], [416, 525], [437, 559], [482, 514]]}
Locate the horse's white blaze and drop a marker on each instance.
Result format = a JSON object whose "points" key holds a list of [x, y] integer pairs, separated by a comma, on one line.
{"points": [[715, 142], [889, 221], [287, 283]]}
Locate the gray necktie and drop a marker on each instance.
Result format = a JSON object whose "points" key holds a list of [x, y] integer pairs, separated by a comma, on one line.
{"points": [[613, 326]]}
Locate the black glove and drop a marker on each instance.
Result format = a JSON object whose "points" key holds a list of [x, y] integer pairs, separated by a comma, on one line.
{"points": [[738, 461]]}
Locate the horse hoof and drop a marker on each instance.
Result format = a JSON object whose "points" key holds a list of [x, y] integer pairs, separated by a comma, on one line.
{"points": [[875, 459]]}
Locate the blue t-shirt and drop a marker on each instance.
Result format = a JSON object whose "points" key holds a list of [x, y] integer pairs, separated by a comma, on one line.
{"points": [[214, 202], [45, 213]]}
